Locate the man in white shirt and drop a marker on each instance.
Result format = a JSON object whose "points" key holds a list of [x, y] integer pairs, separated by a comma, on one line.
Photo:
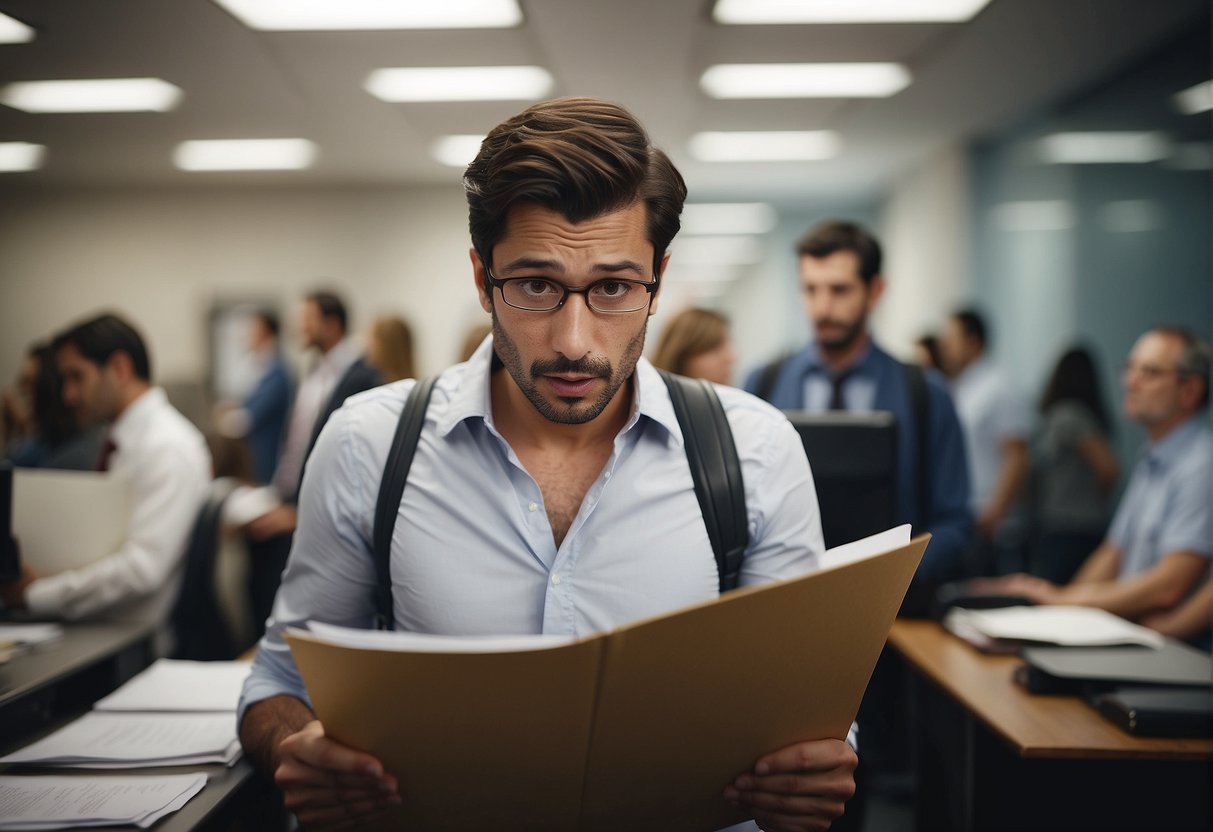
{"points": [[996, 425], [107, 378]]}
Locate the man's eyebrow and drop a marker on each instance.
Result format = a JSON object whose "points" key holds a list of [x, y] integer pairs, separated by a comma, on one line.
{"points": [[615, 267]]}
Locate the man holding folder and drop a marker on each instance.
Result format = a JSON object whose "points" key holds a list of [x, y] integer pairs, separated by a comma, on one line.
{"points": [[550, 491]]}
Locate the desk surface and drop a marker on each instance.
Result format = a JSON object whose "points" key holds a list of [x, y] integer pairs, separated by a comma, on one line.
{"points": [[1034, 725], [55, 662]]}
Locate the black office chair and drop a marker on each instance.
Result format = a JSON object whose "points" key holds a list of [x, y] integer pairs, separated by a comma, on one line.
{"points": [[202, 633]]}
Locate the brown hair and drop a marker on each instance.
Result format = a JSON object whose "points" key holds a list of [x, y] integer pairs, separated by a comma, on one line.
{"points": [[391, 348], [581, 157], [837, 235], [690, 333]]}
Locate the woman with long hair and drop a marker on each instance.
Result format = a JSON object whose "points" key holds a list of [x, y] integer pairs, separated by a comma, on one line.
{"points": [[695, 343], [1076, 470]]}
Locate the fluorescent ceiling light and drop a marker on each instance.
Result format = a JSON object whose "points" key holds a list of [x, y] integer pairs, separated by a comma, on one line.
{"points": [[846, 11], [1196, 99], [727, 218], [14, 31], [244, 154], [94, 95], [870, 80], [457, 151], [1034, 215], [459, 83], [779, 146], [20, 156], [1103, 148], [330, 15], [731, 250]]}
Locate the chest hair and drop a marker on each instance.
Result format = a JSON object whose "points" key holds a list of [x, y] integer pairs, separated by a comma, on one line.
{"points": [[564, 480]]}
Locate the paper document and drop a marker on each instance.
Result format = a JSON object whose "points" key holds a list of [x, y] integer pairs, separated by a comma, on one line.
{"points": [[175, 685], [1069, 626], [68, 519], [638, 728], [120, 740], [867, 547], [246, 503], [40, 802]]}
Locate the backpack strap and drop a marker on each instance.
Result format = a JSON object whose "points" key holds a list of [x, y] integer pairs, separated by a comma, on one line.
{"points": [[391, 489], [712, 457], [916, 382]]}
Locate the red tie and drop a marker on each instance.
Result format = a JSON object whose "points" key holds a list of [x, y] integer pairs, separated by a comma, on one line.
{"points": [[107, 450]]}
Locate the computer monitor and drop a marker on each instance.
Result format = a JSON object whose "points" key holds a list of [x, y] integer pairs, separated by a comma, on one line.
{"points": [[854, 461]]}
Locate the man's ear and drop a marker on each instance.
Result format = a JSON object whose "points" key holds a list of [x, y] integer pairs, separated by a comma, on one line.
{"points": [[665, 261], [121, 365], [480, 276]]}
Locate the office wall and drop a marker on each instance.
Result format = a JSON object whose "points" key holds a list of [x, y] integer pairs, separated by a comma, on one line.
{"points": [[1098, 253], [164, 257]]}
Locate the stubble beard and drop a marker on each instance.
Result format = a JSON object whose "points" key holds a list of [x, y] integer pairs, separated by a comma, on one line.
{"points": [[567, 411]]}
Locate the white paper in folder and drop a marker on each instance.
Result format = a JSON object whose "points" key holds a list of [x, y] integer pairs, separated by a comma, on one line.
{"points": [[67, 519]]}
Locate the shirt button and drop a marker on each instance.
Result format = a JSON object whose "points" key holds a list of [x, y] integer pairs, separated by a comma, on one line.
{"points": [[555, 580], [607, 475], [533, 506]]}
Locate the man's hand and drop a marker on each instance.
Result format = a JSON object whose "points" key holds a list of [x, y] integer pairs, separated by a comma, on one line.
{"points": [[799, 788], [13, 592], [277, 521], [330, 786]]}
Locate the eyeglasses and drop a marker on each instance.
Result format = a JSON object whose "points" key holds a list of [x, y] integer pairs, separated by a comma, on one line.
{"points": [[610, 296], [1150, 372]]}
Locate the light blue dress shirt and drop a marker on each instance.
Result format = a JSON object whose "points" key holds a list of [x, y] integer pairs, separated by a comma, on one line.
{"points": [[473, 552], [1168, 504]]}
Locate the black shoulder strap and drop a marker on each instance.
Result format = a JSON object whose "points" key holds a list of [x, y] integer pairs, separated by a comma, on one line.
{"points": [[391, 489], [715, 469], [770, 375], [916, 381]]}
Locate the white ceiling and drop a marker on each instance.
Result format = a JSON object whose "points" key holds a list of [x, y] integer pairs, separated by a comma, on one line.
{"points": [[1016, 58]]}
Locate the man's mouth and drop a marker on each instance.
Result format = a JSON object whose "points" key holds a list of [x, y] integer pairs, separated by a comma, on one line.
{"points": [[570, 386]]}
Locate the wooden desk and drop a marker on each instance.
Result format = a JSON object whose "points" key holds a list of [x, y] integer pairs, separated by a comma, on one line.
{"points": [[991, 756]]}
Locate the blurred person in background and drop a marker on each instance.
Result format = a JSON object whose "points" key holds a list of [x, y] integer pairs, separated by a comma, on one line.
{"points": [[261, 418], [696, 343], [389, 349], [1158, 549], [926, 352], [997, 425], [40, 430], [106, 374], [1075, 469]]}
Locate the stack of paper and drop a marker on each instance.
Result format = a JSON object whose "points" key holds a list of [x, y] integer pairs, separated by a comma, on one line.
{"points": [[127, 740], [63, 802], [1068, 626], [174, 685], [16, 638]]}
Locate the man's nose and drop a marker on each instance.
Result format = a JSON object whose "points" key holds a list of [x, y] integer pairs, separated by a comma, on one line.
{"points": [[571, 327]]}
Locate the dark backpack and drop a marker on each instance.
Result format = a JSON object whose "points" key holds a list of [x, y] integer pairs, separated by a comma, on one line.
{"points": [[711, 455]]}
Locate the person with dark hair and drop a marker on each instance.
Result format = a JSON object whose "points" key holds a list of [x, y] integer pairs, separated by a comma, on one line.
{"points": [[40, 430], [106, 378], [340, 372], [926, 352], [550, 490], [696, 343], [844, 369], [997, 426], [260, 419], [1075, 467], [1157, 552]]}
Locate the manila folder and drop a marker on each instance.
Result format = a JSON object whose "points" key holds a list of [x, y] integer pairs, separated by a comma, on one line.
{"points": [[68, 519], [639, 728]]}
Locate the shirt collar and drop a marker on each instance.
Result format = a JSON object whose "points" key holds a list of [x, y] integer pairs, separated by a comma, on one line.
{"points": [[471, 396], [1172, 447], [135, 420]]}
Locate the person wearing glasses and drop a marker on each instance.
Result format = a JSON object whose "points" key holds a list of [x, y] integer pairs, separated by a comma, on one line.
{"points": [[1158, 549], [550, 491]]}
